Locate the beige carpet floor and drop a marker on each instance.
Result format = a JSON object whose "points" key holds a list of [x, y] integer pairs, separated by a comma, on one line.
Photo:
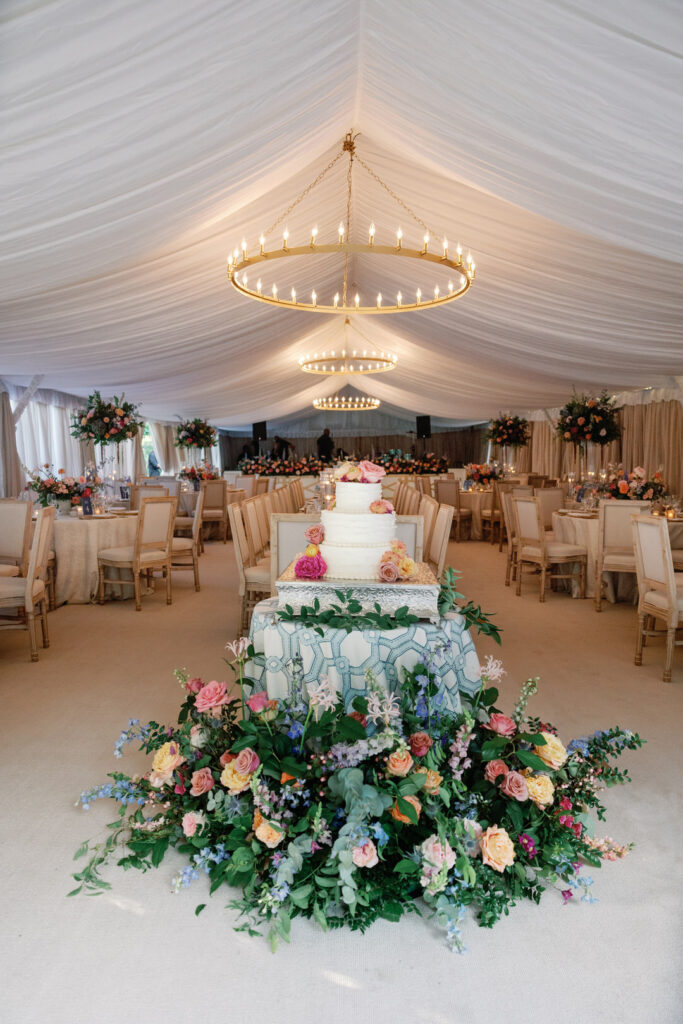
{"points": [[139, 953]]}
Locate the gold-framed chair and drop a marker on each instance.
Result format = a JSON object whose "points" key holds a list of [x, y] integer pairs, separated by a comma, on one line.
{"points": [[28, 594], [660, 588], [138, 492], [15, 536], [511, 536], [448, 493], [428, 509], [151, 550], [551, 500], [493, 516], [438, 547], [615, 552], [254, 579], [536, 550], [185, 550], [216, 505]]}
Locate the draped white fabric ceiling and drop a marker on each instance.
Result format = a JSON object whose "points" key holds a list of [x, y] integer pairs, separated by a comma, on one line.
{"points": [[143, 141]]}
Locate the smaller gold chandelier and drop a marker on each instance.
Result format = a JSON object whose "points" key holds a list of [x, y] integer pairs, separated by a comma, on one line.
{"points": [[346, 363], [346, 403]]}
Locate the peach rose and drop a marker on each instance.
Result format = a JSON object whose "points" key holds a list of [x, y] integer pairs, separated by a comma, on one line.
{"points": [[623, 487], [315, 534], [257, 819], [407, 567], [192, 821], [352, 473], [202, 782], [389, 572], [213, 695], [494, 769], [497, 850], [501, 724], [390, 556], [381, 507], [269, 834], [540, 788], [234, 782], [553, 752], [227, 757], [399, 547], [420, 743], [246, 761], [399, 763], [514, 786], [365, 854], [432, 782], [370, 472], [399, 816]]}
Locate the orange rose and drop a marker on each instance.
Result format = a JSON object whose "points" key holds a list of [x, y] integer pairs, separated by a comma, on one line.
{"points": [[258, 818], [497, 850], [395, 813], [269, 834], [432, 782], [399, 763]]}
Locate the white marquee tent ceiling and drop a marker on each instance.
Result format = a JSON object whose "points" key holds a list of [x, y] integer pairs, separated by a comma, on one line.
{"points": [[143, 140]]}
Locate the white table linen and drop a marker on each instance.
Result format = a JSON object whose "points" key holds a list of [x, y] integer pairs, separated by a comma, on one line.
{"points": [[76, 544]]}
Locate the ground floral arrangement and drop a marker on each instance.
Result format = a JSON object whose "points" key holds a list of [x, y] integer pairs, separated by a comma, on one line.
{"points": [[584, 419], [106, 423], [509, 431], [195, 433], [349, 814], [50, 485]]}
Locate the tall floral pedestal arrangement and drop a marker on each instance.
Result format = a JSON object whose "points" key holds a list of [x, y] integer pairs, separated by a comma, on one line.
{"points": [[196, 435], [509, 432], [589, 424], [106, 424]]}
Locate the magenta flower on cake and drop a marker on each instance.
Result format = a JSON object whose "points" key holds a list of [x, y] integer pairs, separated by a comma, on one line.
{"points": [[381, 507], [315, 534], [371, 473], [310, 567]]}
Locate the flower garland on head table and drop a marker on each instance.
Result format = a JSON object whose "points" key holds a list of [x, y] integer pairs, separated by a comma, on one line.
{"points": [[509, 431], [265, 465], [106, 423], [346, 814], [396, 462], [589, 420], [195, 433]]}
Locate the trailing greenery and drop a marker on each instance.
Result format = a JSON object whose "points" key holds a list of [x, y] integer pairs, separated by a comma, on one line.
{"points": [[473, 614], [348, 615]]}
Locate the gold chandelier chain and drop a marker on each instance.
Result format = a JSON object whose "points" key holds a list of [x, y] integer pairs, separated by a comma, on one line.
{"points": [[351, 150], [303, 195], [397, 198]]}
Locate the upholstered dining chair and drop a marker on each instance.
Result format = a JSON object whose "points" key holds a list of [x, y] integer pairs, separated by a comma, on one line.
{"points": [[185, 550], [493, 516], [615, 552], [660, 589], [428, 509], [254, 578], [261, 485], [551, 500], [299, 496], [26, 596], [411, 501], [216, 505], [448, 493], [15, 536], [536, 479], [138, 492], [256, 539], [151, 550], [511, 536], [538, 552], [438, 547]]}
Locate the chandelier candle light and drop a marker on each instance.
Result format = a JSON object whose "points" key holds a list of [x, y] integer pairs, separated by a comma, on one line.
{"points": [[241, 259], [342, 403]]}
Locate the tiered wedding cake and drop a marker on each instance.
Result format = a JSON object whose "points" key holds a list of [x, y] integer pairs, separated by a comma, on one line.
{"points": [[355, 537]]}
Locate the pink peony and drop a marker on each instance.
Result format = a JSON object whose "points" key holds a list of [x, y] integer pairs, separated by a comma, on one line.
{"points": [[202, 782], [514, 786], [213, 695], [191, 822], [389, 572], [494, 769], [365, 854], [247, 761], [194, 685], [501, 724], [315, 534], [381, 507], [257, 701], [370, 473], [420, 743], [310, 567]]}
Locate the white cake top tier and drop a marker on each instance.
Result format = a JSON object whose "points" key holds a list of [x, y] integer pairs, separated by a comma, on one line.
{"points": [[354, 497]]}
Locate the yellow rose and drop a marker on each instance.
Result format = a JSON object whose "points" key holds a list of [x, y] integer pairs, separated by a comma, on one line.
{"points": [[432, 782], [552, 753], [540, 787], [497, 850], [167, 759], [269, 834], [406, 566], [234, 781], [312, 550]]}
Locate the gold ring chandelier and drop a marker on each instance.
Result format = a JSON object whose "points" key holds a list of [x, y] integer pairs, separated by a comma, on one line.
{"points": [[242, 261], [346, 403]]}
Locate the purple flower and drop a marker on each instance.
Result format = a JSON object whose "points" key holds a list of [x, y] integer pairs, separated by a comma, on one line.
{"points": [[566, 896], [527, 844]]}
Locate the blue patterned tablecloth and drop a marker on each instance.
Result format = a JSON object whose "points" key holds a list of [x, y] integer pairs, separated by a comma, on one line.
{"points": [[345, 657]]}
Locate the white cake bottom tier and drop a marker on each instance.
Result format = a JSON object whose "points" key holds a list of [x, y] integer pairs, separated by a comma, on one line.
{"points": [[348, 563], [359, 530]]}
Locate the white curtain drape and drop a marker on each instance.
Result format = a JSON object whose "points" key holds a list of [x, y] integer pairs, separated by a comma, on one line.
{"points": [[168, 456], [44, 435], [12, 479]]}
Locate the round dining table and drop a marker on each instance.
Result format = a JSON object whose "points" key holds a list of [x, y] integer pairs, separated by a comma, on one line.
{"points": [[76, 543], [476, 501]]}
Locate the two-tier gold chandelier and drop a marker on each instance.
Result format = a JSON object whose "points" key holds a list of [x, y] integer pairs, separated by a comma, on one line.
{"points": [[244, 259]]}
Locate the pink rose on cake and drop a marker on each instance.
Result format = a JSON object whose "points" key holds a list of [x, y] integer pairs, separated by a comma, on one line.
{"points": [[310, 567], [389, 572], [381, 507], [315, 534], [370, 472]]}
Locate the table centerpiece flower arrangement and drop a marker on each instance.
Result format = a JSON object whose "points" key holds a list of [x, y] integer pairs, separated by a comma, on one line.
{"points": [[196, 433], [482, 473], [195, 474], [52, 486], [509, 432], [346, 814], [634, 486], [106, 423]]}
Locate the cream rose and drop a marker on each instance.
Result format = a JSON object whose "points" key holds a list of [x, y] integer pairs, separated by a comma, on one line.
{"points": [[167, 759], [432, 782], [553, 752], [541, 789], [497, 850], [365, 854], [234, 781]]}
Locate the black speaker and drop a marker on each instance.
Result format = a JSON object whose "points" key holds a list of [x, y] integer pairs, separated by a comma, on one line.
{"points": [[259, 432], [424, 426]]}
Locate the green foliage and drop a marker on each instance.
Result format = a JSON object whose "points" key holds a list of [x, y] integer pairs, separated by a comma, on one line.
{"points": [[348, 615], [473, 614]]}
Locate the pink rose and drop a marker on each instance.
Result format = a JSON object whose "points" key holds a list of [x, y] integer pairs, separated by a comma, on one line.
{"points": [[194, 685], [246, 761], [257, 701], [315, 534], [213, 695], [501, 724], [389, 572], [191, 822], [437, 853], [226, 758], [310, 567], [202, 781], [420, 743], [494, 769], [365, 854], [514, 786], [381, 507], [370, 473]]}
